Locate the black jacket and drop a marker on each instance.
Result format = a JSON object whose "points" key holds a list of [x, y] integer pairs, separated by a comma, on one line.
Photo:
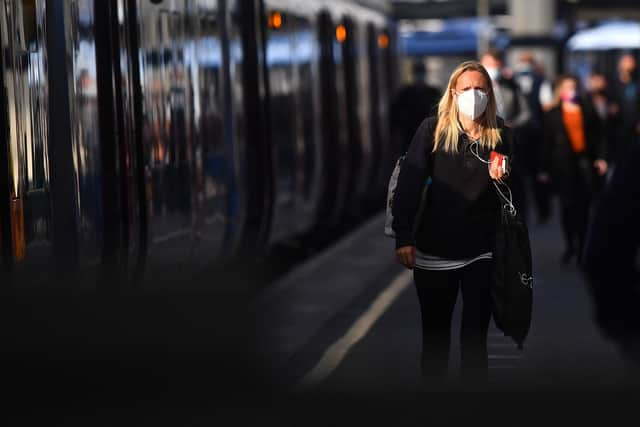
{"points": [[462, 206], [624, 122], [572, 174]]}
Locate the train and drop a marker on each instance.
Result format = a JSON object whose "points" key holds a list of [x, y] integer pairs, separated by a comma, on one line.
{"points": [[150, 139]]}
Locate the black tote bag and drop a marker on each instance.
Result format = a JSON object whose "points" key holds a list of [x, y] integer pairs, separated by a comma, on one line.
{"points": [[512, 280]]}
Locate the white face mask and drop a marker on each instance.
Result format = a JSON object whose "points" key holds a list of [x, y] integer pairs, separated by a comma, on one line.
{"points": [[472, 103]]}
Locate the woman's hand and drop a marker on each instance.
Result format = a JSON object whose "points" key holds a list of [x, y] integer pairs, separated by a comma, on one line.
{"points": [[406, 256], [495, 170]]}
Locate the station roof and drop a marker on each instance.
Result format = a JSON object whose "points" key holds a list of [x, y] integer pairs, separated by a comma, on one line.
{"points": [[609, 35], [442, 9]]}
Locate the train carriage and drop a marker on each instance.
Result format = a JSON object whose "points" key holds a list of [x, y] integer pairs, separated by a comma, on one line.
{"points": [[145, 140]]}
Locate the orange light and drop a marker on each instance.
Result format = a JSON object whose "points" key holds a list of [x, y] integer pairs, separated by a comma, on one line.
{"points": [[17, 226], [341, 33], [383, 41], [275, 20]]}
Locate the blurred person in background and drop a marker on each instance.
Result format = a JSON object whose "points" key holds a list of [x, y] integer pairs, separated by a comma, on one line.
{"points": [[610, 258], [514, 109], [512, 104], [539, 93], [411, 105], [599, 107], [451, 250], [571, 150], [625, 93]]}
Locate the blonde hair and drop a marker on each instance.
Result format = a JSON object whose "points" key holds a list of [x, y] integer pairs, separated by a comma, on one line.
{"points": [[448, 128]]}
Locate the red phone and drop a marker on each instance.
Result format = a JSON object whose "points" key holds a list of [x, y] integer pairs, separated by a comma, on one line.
{"points": [[501, 159]]}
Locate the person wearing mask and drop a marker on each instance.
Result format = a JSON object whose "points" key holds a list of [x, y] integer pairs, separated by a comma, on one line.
{"points": [[571, 150], [411, 105], [535, 88], [514, 109], [451, 249], [512, 105], [625, 94]]}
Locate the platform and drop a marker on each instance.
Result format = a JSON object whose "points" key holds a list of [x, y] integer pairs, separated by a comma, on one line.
{"points": [[346, 325]]}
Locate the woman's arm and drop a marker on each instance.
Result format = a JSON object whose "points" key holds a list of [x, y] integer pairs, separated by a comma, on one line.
{"points": [[411, 181]]}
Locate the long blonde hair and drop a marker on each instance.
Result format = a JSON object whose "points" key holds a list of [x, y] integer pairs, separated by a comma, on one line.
{"points": [[448, 128]]}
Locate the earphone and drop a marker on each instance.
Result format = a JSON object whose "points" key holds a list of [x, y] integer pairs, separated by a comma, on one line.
{"points": [[509, 201]]}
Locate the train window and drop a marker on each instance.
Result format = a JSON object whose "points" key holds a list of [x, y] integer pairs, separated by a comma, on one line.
{"points": [[30, 63], [25, 81], [282, 81], [29, 22], [306, 58], [84, 117], [211, 104], [166, 44]]}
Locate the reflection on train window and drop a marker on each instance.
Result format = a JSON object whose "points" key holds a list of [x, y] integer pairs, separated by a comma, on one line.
{"points": [[31, 87], [26, 89], [87, 156], [211, 148], [291, 59], [306, 57], [282, 81], [167, 52]]}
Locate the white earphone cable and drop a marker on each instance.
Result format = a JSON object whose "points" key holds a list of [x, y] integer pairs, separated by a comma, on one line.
{"points": [[509, 200]]}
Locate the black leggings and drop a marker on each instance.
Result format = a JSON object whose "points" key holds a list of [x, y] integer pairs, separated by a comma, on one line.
{"points": [[437, 292]]}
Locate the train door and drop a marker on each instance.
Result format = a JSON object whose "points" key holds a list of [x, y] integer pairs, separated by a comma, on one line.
{"points": [[363, 110], [127, 123], [218, 154], [310, 153], [94, 162], [115, 142], [389, 58], [26, 203], [252, 207], [166, 69], [375, 122], [359, 146], [384, 44], [84, 113], [377, 43], [284, 45], [336, 170], [282, 83]]}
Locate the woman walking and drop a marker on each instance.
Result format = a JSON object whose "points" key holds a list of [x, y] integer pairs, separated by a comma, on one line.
{"points": [[571, 159], [450, 249]]}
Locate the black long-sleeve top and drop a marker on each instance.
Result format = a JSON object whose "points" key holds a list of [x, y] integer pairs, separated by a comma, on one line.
{"points": [[462, 207], [572, 174], [555, 147]]}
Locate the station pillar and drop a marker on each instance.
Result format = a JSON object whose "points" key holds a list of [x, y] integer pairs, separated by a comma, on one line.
{"points": [[532, 25]]}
